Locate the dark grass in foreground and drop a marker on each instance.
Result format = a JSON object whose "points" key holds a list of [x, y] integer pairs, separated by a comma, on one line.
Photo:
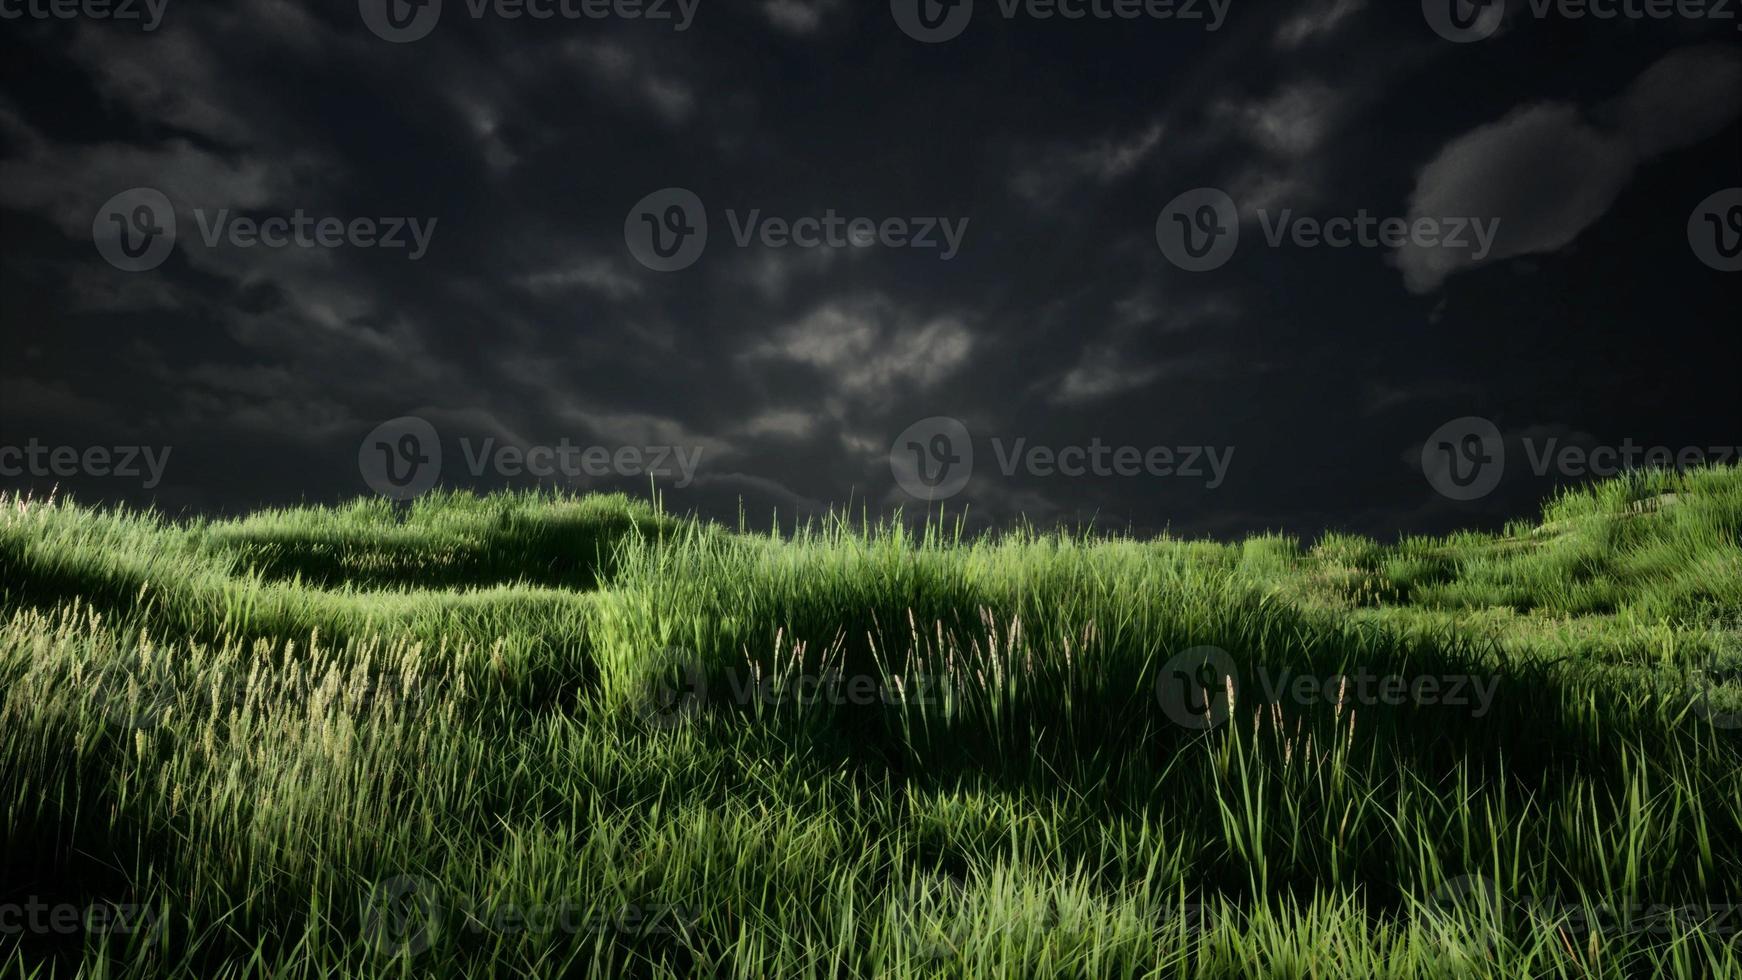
{"points": [[562, 736]]}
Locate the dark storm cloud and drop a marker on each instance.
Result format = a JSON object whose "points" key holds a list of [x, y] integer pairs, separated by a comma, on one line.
{"points": [[522, 146]]}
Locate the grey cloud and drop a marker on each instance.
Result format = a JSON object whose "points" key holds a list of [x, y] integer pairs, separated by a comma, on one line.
{"points": [[604, 276], [1549, 172], [620, 71], [1544, 171], [1316, 23], [1269, 188], [1048, 174], [773, 271], [1118, 363], [797, 366], [800, 17], [871, 349], [784, 424], [1102, 371], [1685, 98], [174, 80], [1292, 122], [69, 182], [483, 117]]}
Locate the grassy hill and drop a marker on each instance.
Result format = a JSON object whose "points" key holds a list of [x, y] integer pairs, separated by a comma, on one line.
{"points": [[578, 736]]}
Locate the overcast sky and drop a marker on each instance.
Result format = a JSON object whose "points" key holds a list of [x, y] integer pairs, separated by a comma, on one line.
{"points": [[1042, 279]]}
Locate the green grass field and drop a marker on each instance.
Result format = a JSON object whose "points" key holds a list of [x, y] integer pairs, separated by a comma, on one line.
{"points": [[557, 736]]}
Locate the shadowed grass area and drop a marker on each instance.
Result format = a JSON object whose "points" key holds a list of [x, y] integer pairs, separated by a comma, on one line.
{"points": [[578, 737]]}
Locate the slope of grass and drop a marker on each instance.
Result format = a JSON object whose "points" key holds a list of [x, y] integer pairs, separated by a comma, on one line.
{"points": [[578, 737]]}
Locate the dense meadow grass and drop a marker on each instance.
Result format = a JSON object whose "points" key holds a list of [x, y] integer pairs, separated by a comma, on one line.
{"points": [[557, 736]]}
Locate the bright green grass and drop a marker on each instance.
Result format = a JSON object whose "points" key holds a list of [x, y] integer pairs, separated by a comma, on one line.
{"points": [[521, 734]]}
